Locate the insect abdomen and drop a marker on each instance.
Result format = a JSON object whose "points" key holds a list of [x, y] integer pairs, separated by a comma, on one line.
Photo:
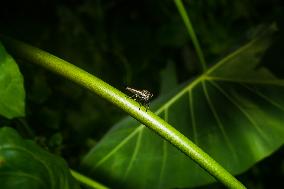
{"points": [[134, 91]]}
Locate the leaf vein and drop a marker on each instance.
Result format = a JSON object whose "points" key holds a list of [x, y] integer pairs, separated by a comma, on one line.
{"points": [[118, 146], [135, 152], [218, 120], [250, 119], [257, 92]]}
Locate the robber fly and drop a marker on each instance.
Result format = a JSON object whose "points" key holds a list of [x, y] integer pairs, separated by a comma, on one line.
{"points": [[143, 97]]}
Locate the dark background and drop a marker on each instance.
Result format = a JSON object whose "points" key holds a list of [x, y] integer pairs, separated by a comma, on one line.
{"points": [[127, 43]]}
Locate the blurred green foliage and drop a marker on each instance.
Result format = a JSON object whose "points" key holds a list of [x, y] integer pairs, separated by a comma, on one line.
{"points": [[123, 42], [23, 164]]}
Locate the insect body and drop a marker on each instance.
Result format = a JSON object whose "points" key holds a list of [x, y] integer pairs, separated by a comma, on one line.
{"points": [[143, 97]]}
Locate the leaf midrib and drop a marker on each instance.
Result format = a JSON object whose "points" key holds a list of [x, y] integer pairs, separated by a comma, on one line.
{"points": [[206, 75]]}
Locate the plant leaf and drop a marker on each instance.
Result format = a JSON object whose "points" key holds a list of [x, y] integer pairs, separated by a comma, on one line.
{"points": [[168, 78], [12, 93], [23, 164], [234, 112]]}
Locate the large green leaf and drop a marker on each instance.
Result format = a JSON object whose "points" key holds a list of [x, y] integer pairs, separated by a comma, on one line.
{"points": [[25, 165], [12, 94], [234, 111]]}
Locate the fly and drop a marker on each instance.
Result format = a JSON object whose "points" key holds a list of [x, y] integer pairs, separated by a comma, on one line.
{"points": [[143, 97]]}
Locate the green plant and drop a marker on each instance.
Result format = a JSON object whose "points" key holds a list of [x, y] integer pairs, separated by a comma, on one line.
{"points": [[227, 99]]}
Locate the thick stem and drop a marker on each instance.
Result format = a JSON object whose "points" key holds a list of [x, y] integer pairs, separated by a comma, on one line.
{"points": [[130, 106]]}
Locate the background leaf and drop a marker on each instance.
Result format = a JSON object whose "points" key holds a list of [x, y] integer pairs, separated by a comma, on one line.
{"points": [[12, 94], [234, 112], [23, 164], [168, 78]]}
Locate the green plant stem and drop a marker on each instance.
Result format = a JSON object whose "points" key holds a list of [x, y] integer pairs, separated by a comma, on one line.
{"points": [[191, 33], [87, 181], [130, 106]]}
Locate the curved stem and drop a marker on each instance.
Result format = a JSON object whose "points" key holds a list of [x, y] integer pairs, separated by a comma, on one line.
{"points": [[87, 181], [130, 106], [191, 33]]}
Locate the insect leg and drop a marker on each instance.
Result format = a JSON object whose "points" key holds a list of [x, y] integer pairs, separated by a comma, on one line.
{"points": [[147, 106], [134, 97]]}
